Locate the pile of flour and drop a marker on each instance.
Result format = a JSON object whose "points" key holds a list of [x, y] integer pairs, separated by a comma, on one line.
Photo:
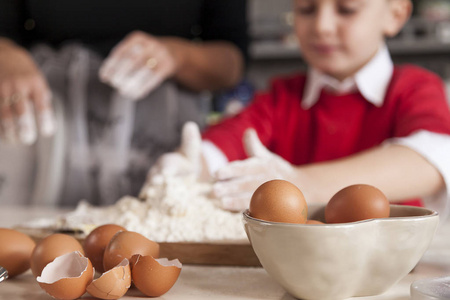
{"points": [[174, 210]]}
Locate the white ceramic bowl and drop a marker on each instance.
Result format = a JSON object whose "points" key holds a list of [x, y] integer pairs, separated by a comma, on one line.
{"points": [[338, 261]]}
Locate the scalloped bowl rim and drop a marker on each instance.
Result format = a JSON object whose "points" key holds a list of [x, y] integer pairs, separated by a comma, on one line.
{"points": [[429, 213]]}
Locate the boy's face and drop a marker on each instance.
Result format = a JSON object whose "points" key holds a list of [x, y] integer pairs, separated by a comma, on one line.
{"points": [[338, 37]]}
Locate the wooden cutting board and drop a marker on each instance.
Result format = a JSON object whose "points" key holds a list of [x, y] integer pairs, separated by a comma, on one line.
{"points": [[217, 253], [211, 254]]}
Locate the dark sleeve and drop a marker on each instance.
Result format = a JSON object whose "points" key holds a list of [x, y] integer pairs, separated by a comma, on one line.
{"points": [[12, 20], [226, 20]]}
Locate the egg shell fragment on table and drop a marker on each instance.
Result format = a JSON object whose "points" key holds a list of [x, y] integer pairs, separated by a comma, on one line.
{"points": [[96, 242], [50, 248], [67, 276], [15, 251], [154, 277], [112, 284], [125, 244]]}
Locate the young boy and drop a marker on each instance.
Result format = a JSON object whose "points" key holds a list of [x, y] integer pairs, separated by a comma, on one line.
{"points": [[353, 118]]}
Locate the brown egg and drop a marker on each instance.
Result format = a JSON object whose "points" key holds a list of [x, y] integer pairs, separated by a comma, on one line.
{"points": [[67, 276], [154, 277], [50, 248], [278, 201], [95, 243], [314, 222], [113, 284], [125, 244], [355, 203], [15, 251]]}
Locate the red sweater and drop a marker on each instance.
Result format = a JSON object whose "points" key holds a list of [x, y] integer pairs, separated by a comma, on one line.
{"points": [[337, 125]]}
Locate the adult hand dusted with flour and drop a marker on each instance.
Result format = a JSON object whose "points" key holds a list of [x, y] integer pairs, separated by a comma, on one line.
{"points": [[186, 161], [24, 97], [139, 64], [237, 181]]}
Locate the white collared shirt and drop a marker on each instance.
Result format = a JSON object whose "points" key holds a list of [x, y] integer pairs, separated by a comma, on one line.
{"points": [[372, 81]]}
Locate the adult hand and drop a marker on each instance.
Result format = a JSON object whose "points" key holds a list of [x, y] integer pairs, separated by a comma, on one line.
{"points": [[186, 161], [138, 64], [24, 97], [237, 181]]}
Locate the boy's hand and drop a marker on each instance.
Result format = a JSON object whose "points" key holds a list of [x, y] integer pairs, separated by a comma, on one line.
{"points": [[184, 162], [237, 181]]}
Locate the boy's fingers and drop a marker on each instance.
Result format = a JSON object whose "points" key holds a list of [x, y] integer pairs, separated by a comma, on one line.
{"points": [[253, 145], [245, 184], [250, 166], [191, 142]]}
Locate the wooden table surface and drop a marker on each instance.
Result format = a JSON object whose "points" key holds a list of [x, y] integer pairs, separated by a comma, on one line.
{"points": [[221, 282]]}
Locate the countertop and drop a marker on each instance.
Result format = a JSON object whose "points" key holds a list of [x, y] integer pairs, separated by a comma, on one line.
{"points": [[220, 282]]}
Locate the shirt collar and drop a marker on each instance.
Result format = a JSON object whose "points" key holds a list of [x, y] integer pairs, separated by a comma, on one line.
{"points": [[372, 81]]}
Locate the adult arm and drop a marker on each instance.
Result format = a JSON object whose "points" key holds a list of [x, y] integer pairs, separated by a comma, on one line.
{"points": [[208, 65], [215, 61]]}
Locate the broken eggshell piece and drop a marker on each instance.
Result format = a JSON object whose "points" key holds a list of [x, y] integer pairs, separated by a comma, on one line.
{"points": [[67, 276], [125, 244], [154, 277], [50, 248], [95, 244], [113, 284]]}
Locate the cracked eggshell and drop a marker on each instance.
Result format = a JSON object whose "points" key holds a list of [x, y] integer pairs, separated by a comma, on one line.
{"points": [[113, 284], [154, 277], [15, 251], [50, 248], [95, 244], [125, 244], [67, 276]]}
